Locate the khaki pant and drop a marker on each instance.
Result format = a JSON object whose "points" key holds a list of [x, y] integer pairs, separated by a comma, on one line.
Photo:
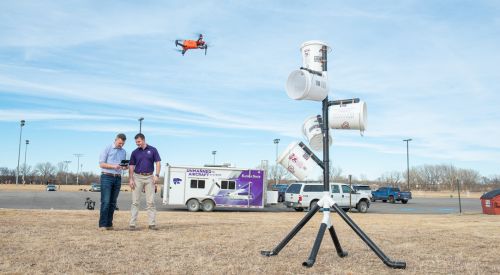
{"points": [[143, 182]]}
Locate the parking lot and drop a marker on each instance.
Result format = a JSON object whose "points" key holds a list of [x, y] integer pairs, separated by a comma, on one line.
{"points": [[75, 201]]}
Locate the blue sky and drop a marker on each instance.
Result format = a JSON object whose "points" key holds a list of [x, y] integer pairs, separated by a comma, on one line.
{"points": [[80, 71]]}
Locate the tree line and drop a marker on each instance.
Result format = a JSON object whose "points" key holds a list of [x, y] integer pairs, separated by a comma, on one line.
{"points": [[44, 173], [425, 177]]}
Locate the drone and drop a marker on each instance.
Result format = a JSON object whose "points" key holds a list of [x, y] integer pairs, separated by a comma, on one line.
{"points": [[191, 44]]}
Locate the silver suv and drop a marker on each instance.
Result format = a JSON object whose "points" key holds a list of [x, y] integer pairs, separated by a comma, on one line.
{"points": [[302, 196]]}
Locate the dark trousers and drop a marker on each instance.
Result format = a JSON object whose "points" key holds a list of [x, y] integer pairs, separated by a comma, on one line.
{"points": [[110, 188]]}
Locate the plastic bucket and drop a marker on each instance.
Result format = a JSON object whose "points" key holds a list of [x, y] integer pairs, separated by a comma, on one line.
{"points": [[303, 85], [349, 117], [312, 131], [312, 55], [297, 161]]}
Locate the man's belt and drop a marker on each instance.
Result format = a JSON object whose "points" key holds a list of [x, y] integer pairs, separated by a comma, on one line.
{"points": [[112, 175], [144, 174]]}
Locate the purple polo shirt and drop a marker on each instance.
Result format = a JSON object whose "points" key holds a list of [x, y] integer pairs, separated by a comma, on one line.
{"points": [[144, 160]]}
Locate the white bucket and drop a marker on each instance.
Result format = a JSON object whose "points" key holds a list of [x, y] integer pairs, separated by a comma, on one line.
{"points": [[312, 55], [348, 117], [297, 161], [312, 131], [303, 85]]}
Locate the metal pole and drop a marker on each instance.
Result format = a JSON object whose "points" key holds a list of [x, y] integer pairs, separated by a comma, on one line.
{"points": [[276, 141], [350, 186], [213, 153], [19, 153], [140, 124], [459, 199], [77, 166], [408, 162], [24, 170]]}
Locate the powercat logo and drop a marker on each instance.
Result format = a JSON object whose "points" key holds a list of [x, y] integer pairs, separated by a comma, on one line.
{"points": [[177, 181]]}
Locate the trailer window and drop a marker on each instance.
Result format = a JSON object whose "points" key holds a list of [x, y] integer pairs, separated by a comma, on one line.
{"points": [[228, 184], [200, 184]]}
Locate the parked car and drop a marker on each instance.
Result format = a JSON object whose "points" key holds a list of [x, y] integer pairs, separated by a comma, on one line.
{"points": [[95, 187], [365, 189], [391, 194], [281, 188], [302, 196], [51, 187]]}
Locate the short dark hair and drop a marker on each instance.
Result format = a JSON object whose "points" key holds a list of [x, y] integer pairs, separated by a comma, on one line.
{"points": [[122, 136], [140, 135]]}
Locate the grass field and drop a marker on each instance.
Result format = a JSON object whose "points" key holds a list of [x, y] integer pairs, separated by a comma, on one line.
{"points": [[230, 242], [75, 188]]}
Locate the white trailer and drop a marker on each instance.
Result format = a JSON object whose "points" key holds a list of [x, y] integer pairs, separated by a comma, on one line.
{"points": [[207, 187]]}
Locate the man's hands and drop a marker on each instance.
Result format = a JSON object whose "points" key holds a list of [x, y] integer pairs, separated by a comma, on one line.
{"points": [[131, 183]]}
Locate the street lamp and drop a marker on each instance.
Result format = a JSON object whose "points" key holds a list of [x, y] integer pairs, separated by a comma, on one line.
{"points": [[407, 162], [66, 162], [140, 124], [276, 141], [213, 153], [24, 170], [19, 153], [78, 156]]}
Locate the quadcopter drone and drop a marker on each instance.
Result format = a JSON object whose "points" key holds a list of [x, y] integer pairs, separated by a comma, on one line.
{"points": [[191, 44]]}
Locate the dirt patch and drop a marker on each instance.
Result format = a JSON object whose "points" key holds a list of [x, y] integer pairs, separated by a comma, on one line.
{"points": [[187, 243]]}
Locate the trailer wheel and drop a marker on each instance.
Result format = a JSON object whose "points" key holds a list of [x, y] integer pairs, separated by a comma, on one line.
{"points": [[193, 205], [208, 205]]}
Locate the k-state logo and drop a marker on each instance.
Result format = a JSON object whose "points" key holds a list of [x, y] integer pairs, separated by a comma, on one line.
{"points": [[177, 181]]}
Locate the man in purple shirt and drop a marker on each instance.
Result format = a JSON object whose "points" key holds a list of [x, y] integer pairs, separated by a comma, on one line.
{"points": [[142, 176]]}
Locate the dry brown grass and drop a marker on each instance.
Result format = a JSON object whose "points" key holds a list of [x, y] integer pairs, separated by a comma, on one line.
{"points": [[230, 242], [42, 187]]}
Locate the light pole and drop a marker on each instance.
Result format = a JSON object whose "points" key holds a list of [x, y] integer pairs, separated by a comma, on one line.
{"points": [[24, 170], [66, 162], [140, 124], [213, 153], [19, 153], [78, 156], [407, 162], [276, 141]]}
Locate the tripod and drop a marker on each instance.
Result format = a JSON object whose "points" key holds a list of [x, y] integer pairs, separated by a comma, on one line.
{"points": [[326, 204]]}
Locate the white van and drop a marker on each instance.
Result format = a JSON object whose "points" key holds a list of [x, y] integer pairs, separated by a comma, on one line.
{"points": [[302, 196]]}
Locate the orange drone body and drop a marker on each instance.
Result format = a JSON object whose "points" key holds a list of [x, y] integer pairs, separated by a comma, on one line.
{"points": [[191, 44]]}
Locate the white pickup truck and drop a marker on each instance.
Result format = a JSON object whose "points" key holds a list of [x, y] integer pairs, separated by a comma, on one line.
{"points": [[305, 195]]}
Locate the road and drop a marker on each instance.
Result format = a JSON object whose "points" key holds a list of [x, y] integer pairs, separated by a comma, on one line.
{"points": [[75, 201]]}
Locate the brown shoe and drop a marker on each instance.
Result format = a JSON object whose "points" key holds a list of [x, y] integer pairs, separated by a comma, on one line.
{"points": [[152, 227]]}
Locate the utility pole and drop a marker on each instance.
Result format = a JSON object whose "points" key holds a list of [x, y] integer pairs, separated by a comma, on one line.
{"points": [[66, 162], [78, 156], [19, 153], [213, 153], [407, 162], [276, 141], [24, 170], [140, 124]]}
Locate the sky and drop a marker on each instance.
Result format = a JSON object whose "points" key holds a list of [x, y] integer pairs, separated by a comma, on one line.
{"points": [[79, 72]]}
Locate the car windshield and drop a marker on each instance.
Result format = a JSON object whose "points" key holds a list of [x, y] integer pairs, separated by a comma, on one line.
{"points": [[51, 186]]}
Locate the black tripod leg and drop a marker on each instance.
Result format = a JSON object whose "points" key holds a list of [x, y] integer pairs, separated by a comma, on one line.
{"points": [[292, 233], [315, 249], [367, 240], [336, 242]]}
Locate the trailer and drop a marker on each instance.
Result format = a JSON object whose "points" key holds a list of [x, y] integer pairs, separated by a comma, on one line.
{"points": [[204, 188]]}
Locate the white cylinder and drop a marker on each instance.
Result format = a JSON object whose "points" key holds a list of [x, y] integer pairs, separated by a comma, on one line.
{"points": [[348, 117], [304, 85], [312, 55], [297, 161], [312, 132]]}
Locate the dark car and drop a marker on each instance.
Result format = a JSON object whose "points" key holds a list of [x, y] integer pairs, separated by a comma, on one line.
{"points": [[51, 187], [281, 188]]}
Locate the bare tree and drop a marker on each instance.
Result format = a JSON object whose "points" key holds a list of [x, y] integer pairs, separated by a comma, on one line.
{"points": [[45, 171], [390, 178]]}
